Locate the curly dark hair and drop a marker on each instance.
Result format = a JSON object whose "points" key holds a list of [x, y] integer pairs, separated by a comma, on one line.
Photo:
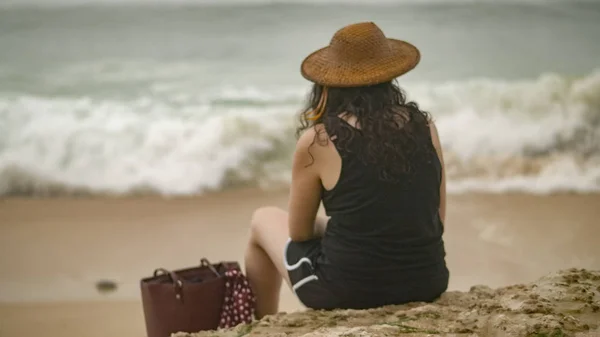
{"points": [[396, 132]]}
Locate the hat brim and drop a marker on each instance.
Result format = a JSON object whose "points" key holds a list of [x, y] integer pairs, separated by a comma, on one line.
{"points": [[324, 68]]}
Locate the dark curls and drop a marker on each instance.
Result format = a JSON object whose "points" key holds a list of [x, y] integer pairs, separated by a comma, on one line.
{"points": [[395, 132]]}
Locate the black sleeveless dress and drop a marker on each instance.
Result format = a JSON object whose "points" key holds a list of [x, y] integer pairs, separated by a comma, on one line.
{"points": [[383, 244]]}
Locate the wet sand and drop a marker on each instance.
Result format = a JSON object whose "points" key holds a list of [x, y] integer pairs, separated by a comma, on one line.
{"points": [[53, 251]]}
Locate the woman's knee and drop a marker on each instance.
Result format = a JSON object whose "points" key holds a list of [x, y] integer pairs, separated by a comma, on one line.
{"points": [[265, 217]]}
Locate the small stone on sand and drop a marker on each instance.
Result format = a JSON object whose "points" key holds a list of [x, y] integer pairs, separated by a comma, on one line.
{"points": [[105, 286]]}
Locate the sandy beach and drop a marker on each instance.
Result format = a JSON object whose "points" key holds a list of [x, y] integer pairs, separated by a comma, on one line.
{"points": [[54, 250]]}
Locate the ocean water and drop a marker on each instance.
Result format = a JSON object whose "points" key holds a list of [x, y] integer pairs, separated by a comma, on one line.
{"points": [[178, 98]]}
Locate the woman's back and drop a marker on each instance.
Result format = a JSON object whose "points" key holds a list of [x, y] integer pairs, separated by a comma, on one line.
{"points": [[382, 233]]}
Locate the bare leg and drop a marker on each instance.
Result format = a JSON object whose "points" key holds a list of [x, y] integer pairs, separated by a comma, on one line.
{"points": [[264, 257]]}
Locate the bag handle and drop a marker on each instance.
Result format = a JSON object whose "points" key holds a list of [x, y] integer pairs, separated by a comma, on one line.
{"points": [[205, 263], [177, 284]]}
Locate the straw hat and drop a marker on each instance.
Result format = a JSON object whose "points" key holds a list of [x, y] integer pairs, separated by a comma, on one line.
{"points": [[360, 55]]}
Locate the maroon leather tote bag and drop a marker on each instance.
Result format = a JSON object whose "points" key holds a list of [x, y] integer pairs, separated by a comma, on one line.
{"points": [[186, 300]]}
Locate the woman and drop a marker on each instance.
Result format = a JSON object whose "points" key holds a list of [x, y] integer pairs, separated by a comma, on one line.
{"points": [[376, 163]]}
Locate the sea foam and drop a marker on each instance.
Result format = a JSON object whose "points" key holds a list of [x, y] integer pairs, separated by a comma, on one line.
{"points": [[537, 136]]}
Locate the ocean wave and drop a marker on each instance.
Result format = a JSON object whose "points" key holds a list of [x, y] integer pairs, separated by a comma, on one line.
{"points": [[535, 136]]}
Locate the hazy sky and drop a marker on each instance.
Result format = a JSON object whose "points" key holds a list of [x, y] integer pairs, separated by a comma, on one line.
{"points": [[17, 2], [78, 2]]}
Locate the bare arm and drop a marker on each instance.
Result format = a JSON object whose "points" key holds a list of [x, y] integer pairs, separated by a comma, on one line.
{"points": [[438, 148], [305, 191]]}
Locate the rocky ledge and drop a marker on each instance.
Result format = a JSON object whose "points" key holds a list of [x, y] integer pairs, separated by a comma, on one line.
{"points": [[565, 303]]}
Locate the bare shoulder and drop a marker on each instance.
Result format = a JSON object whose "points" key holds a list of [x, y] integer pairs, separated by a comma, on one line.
{"points": [[311, 144], [316, 135]]}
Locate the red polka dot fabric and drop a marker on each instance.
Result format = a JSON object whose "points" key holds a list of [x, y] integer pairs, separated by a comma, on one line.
{"points": [[238, 306]]}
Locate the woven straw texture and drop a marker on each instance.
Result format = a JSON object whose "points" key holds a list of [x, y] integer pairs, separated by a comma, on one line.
{"points": [[360, 55]]}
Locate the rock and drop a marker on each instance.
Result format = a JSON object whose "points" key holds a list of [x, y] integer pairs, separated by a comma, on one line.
{"points": [[106, 286], [550, 306]]}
